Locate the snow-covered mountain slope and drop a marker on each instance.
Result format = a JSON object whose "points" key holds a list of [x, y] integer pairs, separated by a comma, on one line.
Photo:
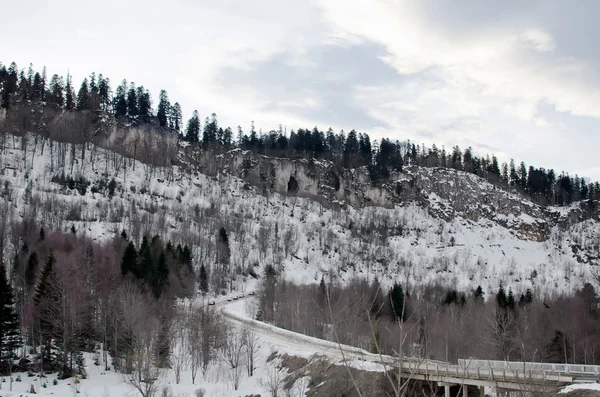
{"points": [[433, 225]]}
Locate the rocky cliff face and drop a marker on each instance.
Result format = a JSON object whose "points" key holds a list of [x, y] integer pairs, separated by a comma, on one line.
{"points": [[445, 193]]}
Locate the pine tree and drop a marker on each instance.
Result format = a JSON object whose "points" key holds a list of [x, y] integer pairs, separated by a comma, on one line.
{"points": [[120, 100], [24, 88], [186, 256], [56, 90], [161, 275], [44, 84], [83, 96], [510, 301], [514, 176], [501, 299], [522, 171], [396, 297], [104, 93], [69, 94], [132, 101], [322, 294], [129, 261], [164, 109], [144, 103], [376, 298], [37, 87], [478, 294], [42, 234], [176, 116], [209, 135], [41, 290], [147, 266], [528, 296], [192, 132], [559, 348], [31, 270], [9, 326], [450, 298], [203, 279]]}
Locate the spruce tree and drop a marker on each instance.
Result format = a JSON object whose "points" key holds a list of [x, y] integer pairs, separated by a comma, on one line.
{"points": [[69, 94], [83, 96], [559, 348], [37, 88], [203, 279], [510, 301], [450, 298], [192, 132], [144, 103], [322, 294], [56, 90], [376, 298], [104, 93], [176, 116], [120, 100], [132, 101], [164, 109], [129, 261], [396, 297], [501, 299], [9, 326], [186, 255], [147, 266], [528, 296], [479, 294], [31, 270], [41, 290], [161, 275]]}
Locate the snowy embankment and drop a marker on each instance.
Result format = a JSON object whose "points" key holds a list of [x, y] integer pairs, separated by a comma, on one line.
{"points": [[237, 312], [297, 344], [581, 386]]}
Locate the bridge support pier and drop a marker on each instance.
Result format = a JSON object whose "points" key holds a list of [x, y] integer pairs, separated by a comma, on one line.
{"points": [[481, 391], [446, 387]]}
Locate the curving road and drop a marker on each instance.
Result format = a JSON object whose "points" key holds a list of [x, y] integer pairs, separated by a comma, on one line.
{"points": [[480, 373]]}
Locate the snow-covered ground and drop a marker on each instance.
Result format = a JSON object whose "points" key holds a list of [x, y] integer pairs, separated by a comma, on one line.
{"points": [[581, 386], [300, 237], [100, 383]]}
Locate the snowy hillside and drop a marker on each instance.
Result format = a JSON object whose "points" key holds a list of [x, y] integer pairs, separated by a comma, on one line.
{"points": [[438, 240]]}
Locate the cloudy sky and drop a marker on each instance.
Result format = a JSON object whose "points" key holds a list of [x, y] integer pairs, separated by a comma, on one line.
{"points": [[518, 79]]}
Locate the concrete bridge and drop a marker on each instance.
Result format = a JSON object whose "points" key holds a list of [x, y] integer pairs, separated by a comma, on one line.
{"points": [[503, 376]]}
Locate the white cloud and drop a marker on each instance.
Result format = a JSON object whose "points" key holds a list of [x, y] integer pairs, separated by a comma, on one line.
{"points": [[492, 60], [538, 39]]}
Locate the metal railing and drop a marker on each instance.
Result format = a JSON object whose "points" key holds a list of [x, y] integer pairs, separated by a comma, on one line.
{"points": [[571, 369]]}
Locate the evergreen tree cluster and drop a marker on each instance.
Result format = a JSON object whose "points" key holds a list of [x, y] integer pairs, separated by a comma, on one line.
{"points": [[94, 94], [153, 261]]}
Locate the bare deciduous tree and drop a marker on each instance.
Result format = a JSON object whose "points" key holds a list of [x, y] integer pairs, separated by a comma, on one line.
{"points": [[141, 327], [273, 380], [234, 356], [251, 343]]}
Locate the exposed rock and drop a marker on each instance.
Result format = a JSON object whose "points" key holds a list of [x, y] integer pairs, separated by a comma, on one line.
{"points": [[445, 193]]}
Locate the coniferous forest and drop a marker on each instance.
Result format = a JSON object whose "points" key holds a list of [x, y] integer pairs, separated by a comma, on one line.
{"points": [[133, 104]]}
